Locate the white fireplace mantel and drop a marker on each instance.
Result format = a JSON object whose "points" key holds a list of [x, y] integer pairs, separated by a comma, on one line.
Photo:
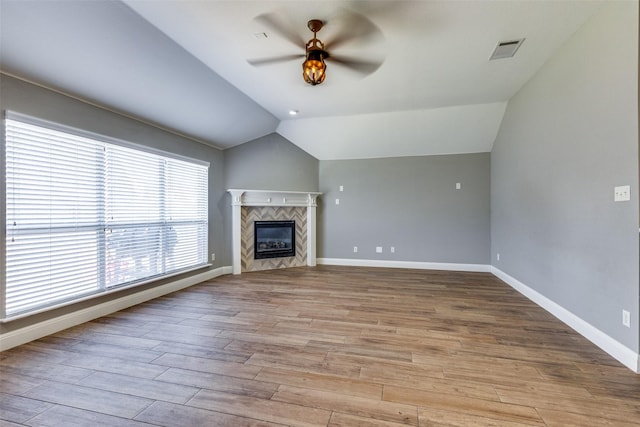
{"points": [[240, 197], [273, 198]]}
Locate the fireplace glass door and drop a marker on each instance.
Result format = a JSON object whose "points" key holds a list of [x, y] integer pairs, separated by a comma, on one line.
{"points": [[274, 239]]}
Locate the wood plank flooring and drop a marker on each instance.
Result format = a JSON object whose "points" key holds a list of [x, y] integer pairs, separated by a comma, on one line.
{"points": [[323, 346]]}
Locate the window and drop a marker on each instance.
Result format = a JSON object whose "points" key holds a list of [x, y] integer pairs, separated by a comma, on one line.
{"points": [[87, 214]]}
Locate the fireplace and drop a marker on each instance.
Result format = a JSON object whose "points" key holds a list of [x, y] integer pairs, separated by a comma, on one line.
{"points": [[249, 206], [274, 239]]}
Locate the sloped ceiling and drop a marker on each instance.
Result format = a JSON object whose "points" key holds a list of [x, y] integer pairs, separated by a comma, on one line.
{"points": [[183, 65]]}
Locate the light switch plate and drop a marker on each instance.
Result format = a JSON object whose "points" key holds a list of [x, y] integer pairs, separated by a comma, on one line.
{"points": [[626, 318], [622, 193]]}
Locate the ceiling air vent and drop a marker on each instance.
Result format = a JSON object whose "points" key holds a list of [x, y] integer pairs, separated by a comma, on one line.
{"points": [[506, 49]]}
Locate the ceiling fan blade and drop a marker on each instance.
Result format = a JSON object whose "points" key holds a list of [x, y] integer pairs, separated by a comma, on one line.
{"points": [[410, 15], [274, 59], [361, 66], [354, 27], [271, 21]]}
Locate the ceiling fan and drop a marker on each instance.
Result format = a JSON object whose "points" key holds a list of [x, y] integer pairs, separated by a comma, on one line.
{"points": [[317, 52]]}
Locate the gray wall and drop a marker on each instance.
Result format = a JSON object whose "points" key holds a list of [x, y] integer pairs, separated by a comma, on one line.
{"points": [[270, 163], [410, 203], [26, 98], [568, 137]]}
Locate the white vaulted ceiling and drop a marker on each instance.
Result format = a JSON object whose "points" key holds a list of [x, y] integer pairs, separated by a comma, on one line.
{"points": [[183, 65]]}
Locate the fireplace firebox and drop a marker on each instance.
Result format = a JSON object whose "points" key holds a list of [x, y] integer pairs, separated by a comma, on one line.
{"points": [[274, 239]]}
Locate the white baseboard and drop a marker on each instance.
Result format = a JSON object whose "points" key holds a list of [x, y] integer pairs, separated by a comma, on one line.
{"points": [[51, 326], [483, 268], [615, 349]]}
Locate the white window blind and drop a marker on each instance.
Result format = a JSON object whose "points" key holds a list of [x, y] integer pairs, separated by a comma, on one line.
{"points": [[84, 216]]}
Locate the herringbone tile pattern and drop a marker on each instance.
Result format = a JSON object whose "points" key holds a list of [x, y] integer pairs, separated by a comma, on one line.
{"points": [[251, 214]]}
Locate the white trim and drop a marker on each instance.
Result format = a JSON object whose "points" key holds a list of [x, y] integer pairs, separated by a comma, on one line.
{"points": [[311, 235], [614, 348], [51, 326], [244, 197], [449, 266], [236, 238]]}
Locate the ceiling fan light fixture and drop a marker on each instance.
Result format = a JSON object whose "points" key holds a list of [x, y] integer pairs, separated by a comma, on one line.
{"points": [[313, 68]]}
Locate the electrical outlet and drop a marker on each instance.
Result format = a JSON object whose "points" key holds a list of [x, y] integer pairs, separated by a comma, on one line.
{"points": [[213, 257], [393, 249], [341, 188], [458, 186], [622, 193], [378, 249], [355, 249], [626, 318], [337, 201]]}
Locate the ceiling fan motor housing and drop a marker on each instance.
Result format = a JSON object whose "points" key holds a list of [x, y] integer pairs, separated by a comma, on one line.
{"points": [[315, 25]]}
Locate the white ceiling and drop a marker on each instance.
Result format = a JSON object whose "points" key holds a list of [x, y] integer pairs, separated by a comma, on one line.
{"points": [[436, 92]]}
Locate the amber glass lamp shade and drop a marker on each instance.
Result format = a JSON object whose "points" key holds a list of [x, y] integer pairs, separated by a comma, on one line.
{"points": [[313, 69]]}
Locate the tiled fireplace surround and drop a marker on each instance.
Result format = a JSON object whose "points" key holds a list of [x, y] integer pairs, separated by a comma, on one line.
{"points": [[249, 206]]}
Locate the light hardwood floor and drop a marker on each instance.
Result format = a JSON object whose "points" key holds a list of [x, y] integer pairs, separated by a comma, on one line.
{"points": [[324, 346]]}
